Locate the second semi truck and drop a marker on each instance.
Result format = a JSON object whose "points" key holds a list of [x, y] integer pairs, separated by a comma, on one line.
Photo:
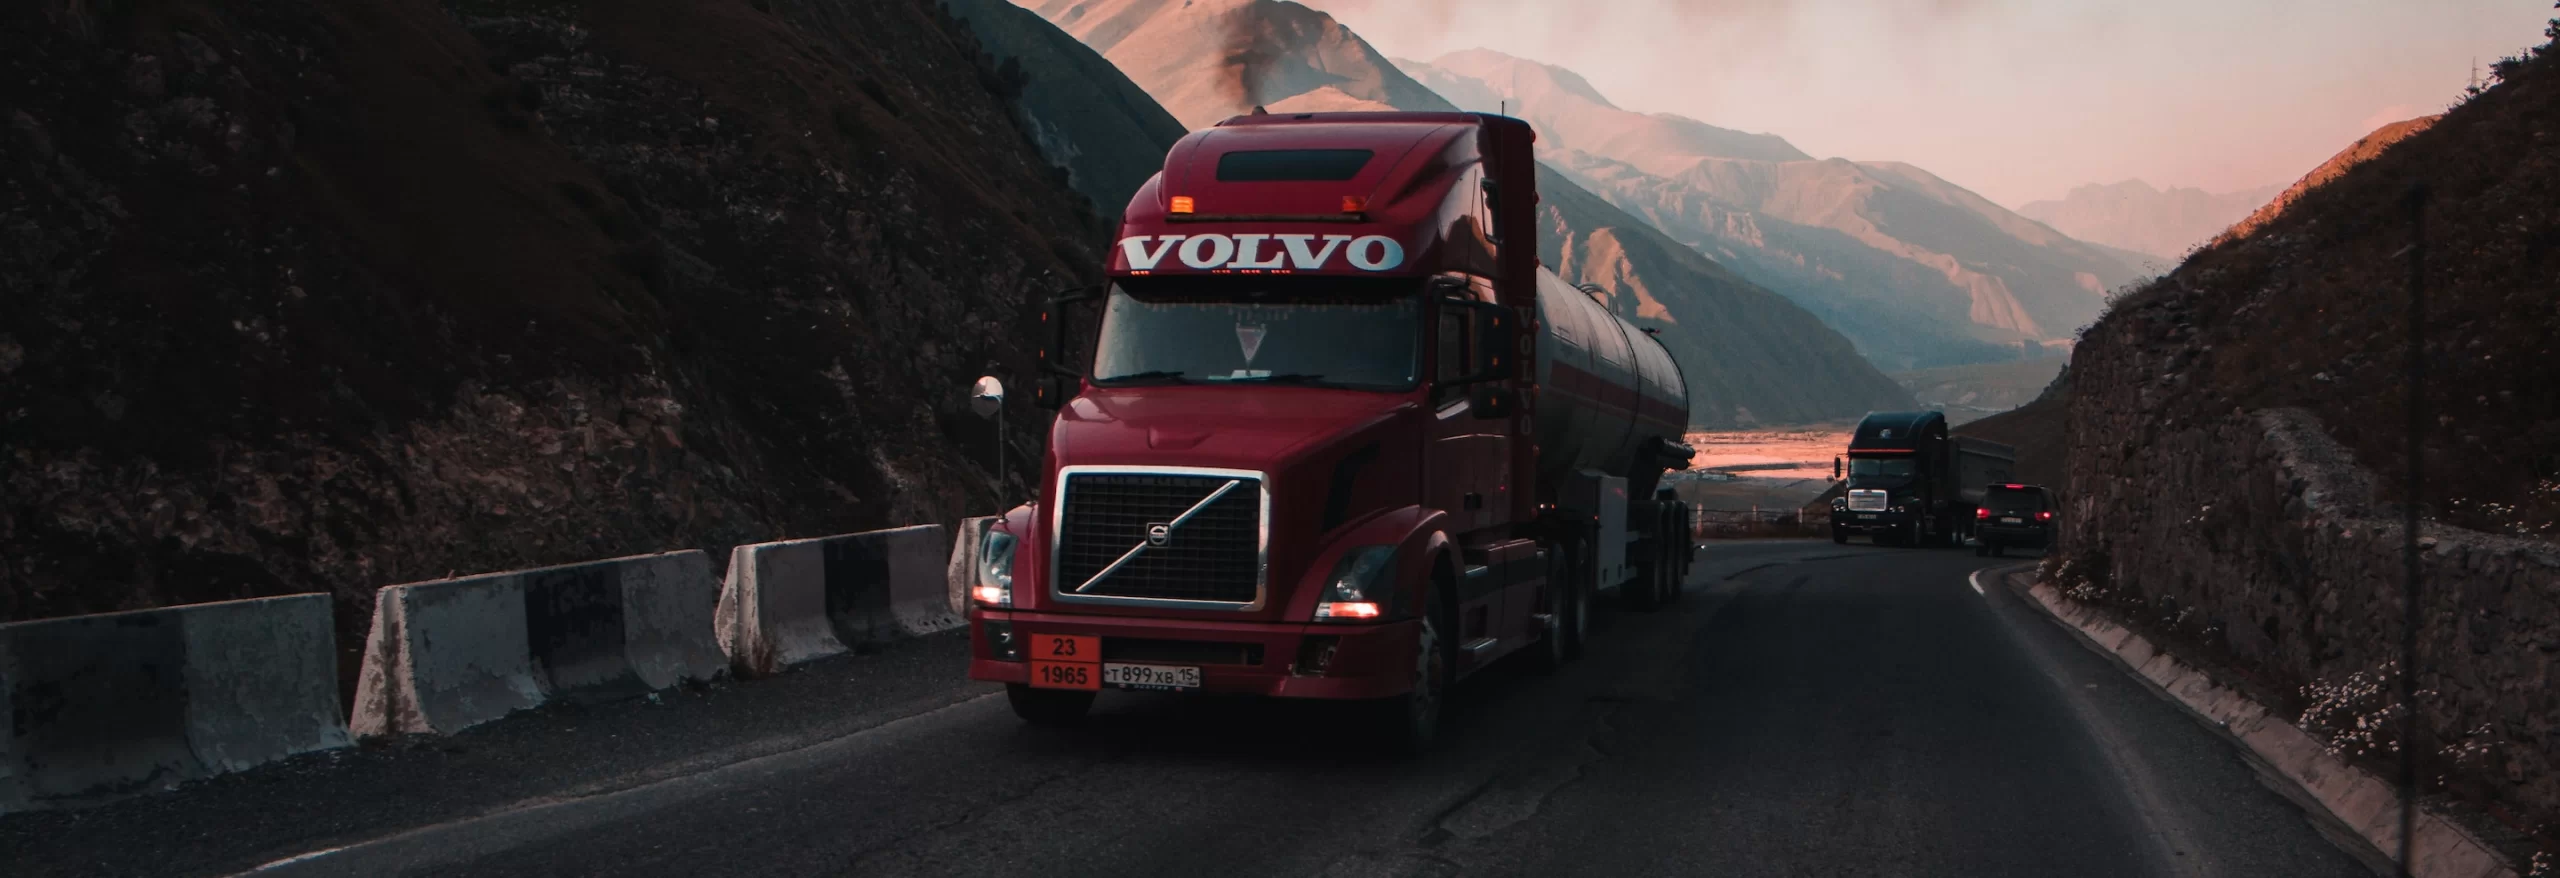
{"points": [[1910, 483], [1343, 437]]}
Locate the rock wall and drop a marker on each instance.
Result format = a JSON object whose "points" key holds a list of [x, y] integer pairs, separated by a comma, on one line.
{"points": [[2257, 538], [306, 296]]}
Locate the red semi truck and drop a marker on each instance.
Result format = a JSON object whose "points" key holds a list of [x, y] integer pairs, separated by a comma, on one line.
{"points": [[1342, 436]]}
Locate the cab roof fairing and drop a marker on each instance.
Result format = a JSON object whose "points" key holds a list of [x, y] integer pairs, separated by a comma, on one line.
{"points": [[1884, 432], [1417, 188]]}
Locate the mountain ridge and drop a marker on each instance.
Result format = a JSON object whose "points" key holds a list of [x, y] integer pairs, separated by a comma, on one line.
{"points": [[2162, 224], [1917, 270]]}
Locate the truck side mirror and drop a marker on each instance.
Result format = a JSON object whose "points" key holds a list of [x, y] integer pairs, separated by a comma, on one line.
{"points": [[1058, 381], [1492, 402], [1497, 332], [1053, 391]]}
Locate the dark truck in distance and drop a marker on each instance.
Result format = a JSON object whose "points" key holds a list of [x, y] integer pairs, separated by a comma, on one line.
{"points": [[1912, 484], [2013, 515]]}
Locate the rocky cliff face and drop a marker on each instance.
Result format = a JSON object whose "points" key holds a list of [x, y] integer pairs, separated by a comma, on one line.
{"points": [[310, 297], [1086, 115], [2238, 432]]}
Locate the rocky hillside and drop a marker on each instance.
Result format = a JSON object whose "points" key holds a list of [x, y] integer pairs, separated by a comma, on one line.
{"points": [[2238, 432], [2159, 225], [1752, 357], [1088, 118], [2364, 149], [312, 296], [1918, 271]]}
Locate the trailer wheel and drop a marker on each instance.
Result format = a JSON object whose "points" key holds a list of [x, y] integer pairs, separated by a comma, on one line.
{"points": [[1644, 592], [1569, 611], [1048, 707]]}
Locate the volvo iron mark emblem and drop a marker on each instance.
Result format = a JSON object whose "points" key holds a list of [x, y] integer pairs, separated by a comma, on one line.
{"points": [[1159, 534]]}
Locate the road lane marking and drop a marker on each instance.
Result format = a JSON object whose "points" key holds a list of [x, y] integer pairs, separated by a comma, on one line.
{"points": [[462, 841]]}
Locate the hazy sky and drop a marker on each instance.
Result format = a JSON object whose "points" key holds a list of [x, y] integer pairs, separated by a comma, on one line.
{"points": [[2016, 99]]}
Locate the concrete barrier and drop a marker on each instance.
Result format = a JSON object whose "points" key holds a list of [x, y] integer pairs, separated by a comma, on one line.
{"points": [[961, 574], [797, 600], [448, 655], [124, 702], [773, 607]]}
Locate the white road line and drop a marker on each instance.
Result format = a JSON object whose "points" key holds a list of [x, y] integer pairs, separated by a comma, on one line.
{"points": [[1976, 579], [297, 858]]}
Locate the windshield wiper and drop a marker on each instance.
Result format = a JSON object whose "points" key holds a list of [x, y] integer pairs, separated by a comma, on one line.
{"points": [[1283, 378], [1160, 376]]}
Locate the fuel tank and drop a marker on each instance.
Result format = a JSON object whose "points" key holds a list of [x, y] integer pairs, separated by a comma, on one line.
{"points": [[1606, 390]]}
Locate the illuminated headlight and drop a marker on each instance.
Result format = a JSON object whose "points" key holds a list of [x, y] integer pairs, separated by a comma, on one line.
{"points": [[1359, 588], [995, 571]]}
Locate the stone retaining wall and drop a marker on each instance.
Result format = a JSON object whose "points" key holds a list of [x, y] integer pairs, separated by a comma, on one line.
{"points": [[2257, 536]]}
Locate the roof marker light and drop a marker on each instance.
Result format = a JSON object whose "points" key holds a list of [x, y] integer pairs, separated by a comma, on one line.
{"points": [[1182, 204], [1354, 203]]}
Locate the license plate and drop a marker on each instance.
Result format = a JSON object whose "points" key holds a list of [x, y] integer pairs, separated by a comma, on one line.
{"points": [[1151, 676], [1065, 675], [2008, 521], [1866, 515]]}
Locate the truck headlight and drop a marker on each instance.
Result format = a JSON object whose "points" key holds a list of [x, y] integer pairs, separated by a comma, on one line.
{"points": [[1359, 588], [995, 571]]}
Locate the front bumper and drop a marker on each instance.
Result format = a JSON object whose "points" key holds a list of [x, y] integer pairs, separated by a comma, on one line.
{"points": [[1368, 660], [1869, 522]]}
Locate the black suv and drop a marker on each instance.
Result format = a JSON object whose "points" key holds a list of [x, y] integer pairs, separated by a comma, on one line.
{"points": [[2013, 515]]}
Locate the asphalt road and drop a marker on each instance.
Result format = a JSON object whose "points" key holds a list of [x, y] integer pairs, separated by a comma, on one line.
{"points": [[1809, 709]]}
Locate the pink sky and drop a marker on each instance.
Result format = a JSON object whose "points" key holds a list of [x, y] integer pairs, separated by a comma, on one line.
{"points": [[2016, 99]]}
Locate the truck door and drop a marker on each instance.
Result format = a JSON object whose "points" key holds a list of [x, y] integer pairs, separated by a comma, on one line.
{"points": [[1468, 465]]}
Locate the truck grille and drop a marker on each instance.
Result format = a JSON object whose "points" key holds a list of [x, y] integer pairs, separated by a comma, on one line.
{"points": [[1215, 555], [1866, 500]]}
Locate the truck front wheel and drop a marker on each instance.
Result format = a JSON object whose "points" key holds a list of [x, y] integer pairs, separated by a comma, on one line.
{"points": [[1407, 723], [1048, 707]]}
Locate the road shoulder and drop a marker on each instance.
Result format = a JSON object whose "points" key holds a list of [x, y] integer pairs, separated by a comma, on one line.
{"points": [[2359, 802]]}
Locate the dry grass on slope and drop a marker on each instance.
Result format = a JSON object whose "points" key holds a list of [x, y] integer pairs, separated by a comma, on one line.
{"points": [[2311, 310]]}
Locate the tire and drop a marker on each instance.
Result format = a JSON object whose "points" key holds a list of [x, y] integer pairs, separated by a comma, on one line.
{"points": [[1839, 536], [1054, 708], [1569, 609], [1982, 551], [1644, 592], [1407, 724], [1999, 551]]}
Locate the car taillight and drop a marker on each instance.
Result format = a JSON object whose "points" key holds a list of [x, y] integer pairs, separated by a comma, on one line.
{"points": [[1982, 512], [2044, 516]]}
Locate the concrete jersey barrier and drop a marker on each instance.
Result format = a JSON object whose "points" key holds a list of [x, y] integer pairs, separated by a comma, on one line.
{"points": [[448, 655], [125, 702], [794, 601]]}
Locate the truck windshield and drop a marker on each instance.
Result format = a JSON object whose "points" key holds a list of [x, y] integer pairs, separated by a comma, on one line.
{"points": [[1361, 334], [1884, 467]]}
